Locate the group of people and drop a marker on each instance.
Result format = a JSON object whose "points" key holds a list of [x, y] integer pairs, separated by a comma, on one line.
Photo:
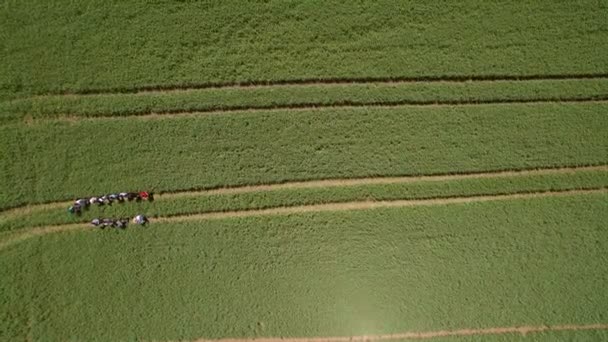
{"points": [[121, 223], [118, 223], [83, 203]]}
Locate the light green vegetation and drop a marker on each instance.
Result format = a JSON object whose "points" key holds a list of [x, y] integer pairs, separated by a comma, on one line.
{"points": [[90, 44], [171, 205], [507, 263], [516, 262], [63, 160], [303, 95]]}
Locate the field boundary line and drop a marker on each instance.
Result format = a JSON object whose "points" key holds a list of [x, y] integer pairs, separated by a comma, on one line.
{"points": [[322, 81], [24, 234], [523, 330], [384, 180], [329, 182], [370, 204], [311, 106]]}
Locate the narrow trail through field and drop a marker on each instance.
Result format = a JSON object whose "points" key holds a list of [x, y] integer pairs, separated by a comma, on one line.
{"points": [[523, 330], [336, 182], [24, 234], [364, 205], [311, 106], [323, 81]]}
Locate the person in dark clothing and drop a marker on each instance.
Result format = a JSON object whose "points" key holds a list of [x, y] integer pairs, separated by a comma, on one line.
{"points": [[75, 209], [122, 196], [106, 222], [132, 196], [121, 223], [82, 203]]}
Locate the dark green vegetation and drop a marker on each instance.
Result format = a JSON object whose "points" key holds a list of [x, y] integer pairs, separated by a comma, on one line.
{"points": [[87, 45], [485, 265], [251, 148]]}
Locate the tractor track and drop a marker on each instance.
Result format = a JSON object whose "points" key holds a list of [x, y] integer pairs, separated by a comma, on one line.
{"points": [[322, 81], [332, 182], [522, 330], [11, 239], [29, 119]]}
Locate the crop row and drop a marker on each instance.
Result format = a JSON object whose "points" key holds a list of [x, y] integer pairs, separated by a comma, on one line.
{"points": [[63, 160], [170, 205], [316, 274], [296, 96], [138, 44]]}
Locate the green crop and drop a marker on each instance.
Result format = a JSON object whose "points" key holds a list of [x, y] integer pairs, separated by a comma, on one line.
{"points": [[182, 97], [63, 160], [542, 261], [98, 45]]}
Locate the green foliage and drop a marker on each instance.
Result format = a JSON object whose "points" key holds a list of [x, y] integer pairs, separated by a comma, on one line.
{"points": [[168, 205], [542, 261], [63, 160], [298, 95], [92, 44], [504, 263]]}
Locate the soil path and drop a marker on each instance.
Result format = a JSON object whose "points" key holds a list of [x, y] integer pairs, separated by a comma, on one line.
{"points": [[523, 330], [26, 210], [326, 81], [310, 107], [21, 235], [363, 205]]}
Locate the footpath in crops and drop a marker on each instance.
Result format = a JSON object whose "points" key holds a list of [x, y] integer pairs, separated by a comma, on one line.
{"points": [[330, 81], [291, 96], [521, 330], [337, 182], [22, 235]]}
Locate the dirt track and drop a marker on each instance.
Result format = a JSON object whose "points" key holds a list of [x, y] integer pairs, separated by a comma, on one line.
{"points": [[385, 180], [363, 205], [327, 81], [324, 183], [523, 330], [21, 235], [314, 106], [360, 205]]}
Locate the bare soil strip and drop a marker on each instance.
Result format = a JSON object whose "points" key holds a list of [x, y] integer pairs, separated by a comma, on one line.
{"points": [[324, 81], [23, 234], [364, 205], [311, 106], [383, 180], [31, 208], [329, 207], [523, 330], [24, 210]]}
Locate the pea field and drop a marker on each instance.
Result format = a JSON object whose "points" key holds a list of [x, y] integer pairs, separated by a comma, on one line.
{"points": [[324, 171]]}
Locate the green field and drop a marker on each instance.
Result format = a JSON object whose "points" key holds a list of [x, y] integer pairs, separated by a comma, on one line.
{"points": [[92, 45], [317, 274], [322, 169]]}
